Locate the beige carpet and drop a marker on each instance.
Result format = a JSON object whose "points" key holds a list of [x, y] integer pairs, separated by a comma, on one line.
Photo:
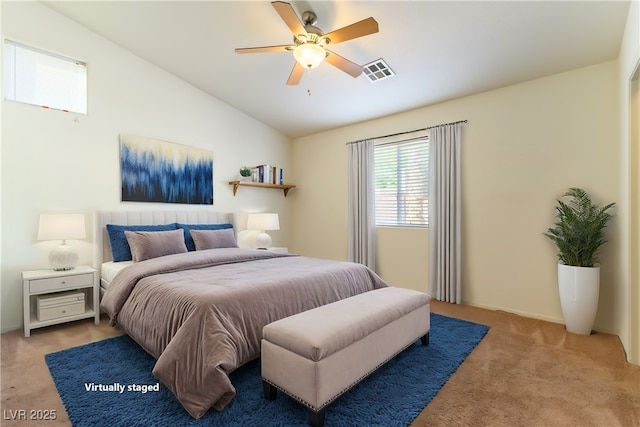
{"points": [[524, 373], [529, 372]]}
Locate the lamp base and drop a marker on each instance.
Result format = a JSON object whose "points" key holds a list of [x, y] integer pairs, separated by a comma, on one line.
{"points": [[263, 241], [63, 257]]}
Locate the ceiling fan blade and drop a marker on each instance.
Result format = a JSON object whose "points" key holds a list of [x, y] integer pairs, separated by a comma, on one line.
{"points": [[359, 29], [296, 74], [289, 16], [281, 48], [351, 68]]}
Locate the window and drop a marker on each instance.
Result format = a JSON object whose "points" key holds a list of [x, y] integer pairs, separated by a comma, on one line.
{"points": [[402, 183], [37, 77]]}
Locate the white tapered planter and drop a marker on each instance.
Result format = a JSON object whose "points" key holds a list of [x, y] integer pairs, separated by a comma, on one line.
{"points": [[579, 290]]}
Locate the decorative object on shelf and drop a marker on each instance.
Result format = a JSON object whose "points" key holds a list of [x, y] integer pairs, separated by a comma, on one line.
{"points": [[284, 187], [62, 226], [163, 172], [578, 235], [245, 173], [263, 222]]}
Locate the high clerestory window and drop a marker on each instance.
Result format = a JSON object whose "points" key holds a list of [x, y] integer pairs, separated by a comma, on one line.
{"points": [[402, 183], [42, 78]]}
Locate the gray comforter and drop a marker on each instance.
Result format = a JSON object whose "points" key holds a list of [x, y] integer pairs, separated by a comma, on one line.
{"points": [[201, 314]]}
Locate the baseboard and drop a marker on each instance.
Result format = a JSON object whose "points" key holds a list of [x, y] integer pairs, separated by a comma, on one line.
{"points": [[517, 312], [536, 316]]}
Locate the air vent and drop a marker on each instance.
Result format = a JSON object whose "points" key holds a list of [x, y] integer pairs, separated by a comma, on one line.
{"points": [[378, 70]]}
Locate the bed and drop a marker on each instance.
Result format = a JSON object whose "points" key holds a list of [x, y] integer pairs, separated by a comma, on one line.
{"points": [[200, 313]]}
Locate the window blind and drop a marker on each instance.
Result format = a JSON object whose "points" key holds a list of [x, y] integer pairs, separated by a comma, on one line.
{"points": [[34, 76], [402, 183]]}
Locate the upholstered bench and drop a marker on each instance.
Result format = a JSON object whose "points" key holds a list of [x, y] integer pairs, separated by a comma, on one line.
{"points": [[317, 355]]}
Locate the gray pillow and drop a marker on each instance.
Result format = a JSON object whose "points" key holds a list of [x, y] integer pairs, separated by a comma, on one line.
{"points": [[152, 244], [214, 239]]}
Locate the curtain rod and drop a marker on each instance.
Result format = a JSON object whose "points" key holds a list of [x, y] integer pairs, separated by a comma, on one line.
{"points": [[409, 131], [445, 124]]}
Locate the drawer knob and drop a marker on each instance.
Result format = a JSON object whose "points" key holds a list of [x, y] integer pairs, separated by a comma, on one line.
{"points": [[64, 283]]}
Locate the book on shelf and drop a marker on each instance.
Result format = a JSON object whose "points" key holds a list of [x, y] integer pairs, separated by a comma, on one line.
{"points": [[268, 174], [263, 173]]}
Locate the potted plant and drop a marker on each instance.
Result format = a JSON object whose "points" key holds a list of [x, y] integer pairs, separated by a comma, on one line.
{"points": [[245, 173], [578, 235]]}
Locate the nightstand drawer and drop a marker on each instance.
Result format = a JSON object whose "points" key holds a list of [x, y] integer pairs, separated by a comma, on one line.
{"points": [[60, 283]]}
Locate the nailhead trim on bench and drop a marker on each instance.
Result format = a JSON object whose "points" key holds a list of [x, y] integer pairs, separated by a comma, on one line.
{"points": [[308, 405]]}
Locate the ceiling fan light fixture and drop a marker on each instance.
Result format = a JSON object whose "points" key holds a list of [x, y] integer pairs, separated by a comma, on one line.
{"points": [[309, 55], [310, 43]]}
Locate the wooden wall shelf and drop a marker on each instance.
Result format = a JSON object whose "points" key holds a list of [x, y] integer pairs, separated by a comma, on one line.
{"points": [[284, 187]]}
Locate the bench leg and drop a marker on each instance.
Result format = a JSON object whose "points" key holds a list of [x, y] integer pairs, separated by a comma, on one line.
{"points": [[270, 392], [425, 339], [316, 419]]}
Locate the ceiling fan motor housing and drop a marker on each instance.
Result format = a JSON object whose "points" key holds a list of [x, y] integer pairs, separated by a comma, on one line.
{"points": [[309, 19]]}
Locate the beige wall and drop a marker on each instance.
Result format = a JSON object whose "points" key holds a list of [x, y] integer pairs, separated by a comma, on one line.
{"points": [[523, 146]]}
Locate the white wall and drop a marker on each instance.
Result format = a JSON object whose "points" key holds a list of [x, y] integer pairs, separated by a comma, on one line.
{"points": [[61, 161], [523, 147]]}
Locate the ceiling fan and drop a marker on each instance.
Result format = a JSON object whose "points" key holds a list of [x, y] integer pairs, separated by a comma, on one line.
{"points": [[310, 43]]}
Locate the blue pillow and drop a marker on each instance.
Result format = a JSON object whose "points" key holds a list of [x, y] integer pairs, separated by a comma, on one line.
{"points": [[191, 246], [120, 247]]}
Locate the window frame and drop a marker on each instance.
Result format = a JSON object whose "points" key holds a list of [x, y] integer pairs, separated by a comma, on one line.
{"points": [[67, 93]]}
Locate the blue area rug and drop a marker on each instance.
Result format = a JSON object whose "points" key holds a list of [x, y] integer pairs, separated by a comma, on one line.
{"points": [[392, 396]]}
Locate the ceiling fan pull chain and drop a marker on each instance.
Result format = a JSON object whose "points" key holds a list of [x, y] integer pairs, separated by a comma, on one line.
{"points": [[307, 76]]}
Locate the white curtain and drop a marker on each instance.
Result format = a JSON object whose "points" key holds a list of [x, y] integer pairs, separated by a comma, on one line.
{"points": [[362, 222], [445, 238]]}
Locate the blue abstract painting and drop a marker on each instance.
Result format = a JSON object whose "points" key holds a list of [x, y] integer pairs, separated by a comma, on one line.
{"points": [[164, 172]]}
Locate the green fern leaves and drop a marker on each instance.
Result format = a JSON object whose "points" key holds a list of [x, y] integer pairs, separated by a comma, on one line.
{"points": [[579, 230]]}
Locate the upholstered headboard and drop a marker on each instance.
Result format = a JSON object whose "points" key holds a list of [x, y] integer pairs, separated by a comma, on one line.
{"points": [[103, 247]]}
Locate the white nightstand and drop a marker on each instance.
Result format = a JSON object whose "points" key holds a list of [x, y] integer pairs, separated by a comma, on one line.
{"points": [[37, 283]]}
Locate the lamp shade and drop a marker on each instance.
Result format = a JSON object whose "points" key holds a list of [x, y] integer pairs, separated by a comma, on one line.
{"points": [[61, 227], [309, 55], [263, 221]]}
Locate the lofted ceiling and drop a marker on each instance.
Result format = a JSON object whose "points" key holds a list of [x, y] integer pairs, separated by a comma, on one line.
{"points": [[439, 50]]}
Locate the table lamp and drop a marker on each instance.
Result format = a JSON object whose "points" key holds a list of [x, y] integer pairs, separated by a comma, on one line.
{"points": [[62, 227], [263, 222]]}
